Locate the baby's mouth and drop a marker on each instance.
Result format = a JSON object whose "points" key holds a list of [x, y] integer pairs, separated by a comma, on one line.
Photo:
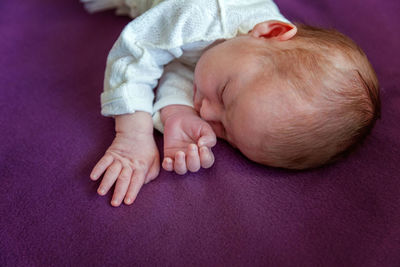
{"points": [[196, 105], [194, 91]]}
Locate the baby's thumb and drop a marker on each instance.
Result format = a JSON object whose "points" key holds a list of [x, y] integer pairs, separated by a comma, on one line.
{"points": [[153, 171], [208, 138]]}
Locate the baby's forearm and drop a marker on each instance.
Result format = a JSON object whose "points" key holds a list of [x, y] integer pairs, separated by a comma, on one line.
{"points": [[173, 110], [138, 122]]}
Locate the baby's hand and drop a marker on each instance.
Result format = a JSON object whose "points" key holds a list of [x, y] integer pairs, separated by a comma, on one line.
{"points": [[131, 161], [187, 140]]}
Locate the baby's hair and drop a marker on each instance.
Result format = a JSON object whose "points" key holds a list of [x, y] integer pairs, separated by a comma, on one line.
{"points": [[334, 98]]}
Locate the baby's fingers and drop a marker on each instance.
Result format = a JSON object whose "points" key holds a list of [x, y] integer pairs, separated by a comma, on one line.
{"points": [[180, 163], [101, 166], [109, 178], [193, 159], [135, 185], [121, 187], [168, 164], [206, 157]]}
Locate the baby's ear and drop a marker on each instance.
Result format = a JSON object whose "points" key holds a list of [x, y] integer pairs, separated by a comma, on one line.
{"points": [[274, 29]]}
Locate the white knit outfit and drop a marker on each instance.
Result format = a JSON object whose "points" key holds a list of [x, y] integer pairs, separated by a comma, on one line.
{"points": [[162, 45]]}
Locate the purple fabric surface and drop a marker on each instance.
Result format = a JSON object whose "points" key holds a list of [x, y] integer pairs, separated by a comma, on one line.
{"points": [[52, 58]]}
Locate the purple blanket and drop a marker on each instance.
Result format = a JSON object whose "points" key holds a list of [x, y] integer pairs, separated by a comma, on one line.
{"points": [[52, 59]]}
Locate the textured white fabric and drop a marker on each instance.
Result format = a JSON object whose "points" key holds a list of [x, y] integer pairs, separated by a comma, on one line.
{"points": [[173, 32]]}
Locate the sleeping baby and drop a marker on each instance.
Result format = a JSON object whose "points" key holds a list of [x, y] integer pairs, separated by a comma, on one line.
{"points": [[285, 95]]}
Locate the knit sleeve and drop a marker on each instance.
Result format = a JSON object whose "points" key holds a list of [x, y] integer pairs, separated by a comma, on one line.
{"points": [[136, 61], [175, 88], [132, 71]]}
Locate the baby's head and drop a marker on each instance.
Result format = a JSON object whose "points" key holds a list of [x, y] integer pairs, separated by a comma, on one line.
{"points": [[286, 96]]}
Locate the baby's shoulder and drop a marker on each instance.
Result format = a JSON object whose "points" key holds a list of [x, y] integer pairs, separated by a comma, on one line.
{"points": [[173, 23]]}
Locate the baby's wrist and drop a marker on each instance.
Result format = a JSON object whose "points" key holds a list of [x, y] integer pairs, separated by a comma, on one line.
{"points": [[176, 110], [138, 122]]}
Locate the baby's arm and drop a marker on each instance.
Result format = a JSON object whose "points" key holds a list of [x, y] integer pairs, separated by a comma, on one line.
{"points": [[132, 159], [187, 140]]}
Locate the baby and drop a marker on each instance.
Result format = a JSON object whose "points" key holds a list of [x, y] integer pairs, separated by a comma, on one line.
{"points": [[285, 95]]}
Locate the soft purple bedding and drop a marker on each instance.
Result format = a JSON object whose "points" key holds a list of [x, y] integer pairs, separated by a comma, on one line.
{"points": [[52, 58]]}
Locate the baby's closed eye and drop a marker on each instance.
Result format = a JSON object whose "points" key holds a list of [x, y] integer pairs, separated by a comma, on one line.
{"points": [[221, 94]]}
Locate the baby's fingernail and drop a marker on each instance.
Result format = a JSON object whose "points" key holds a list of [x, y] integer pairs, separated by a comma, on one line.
{"points": [[128, 200], [102, 191]]}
